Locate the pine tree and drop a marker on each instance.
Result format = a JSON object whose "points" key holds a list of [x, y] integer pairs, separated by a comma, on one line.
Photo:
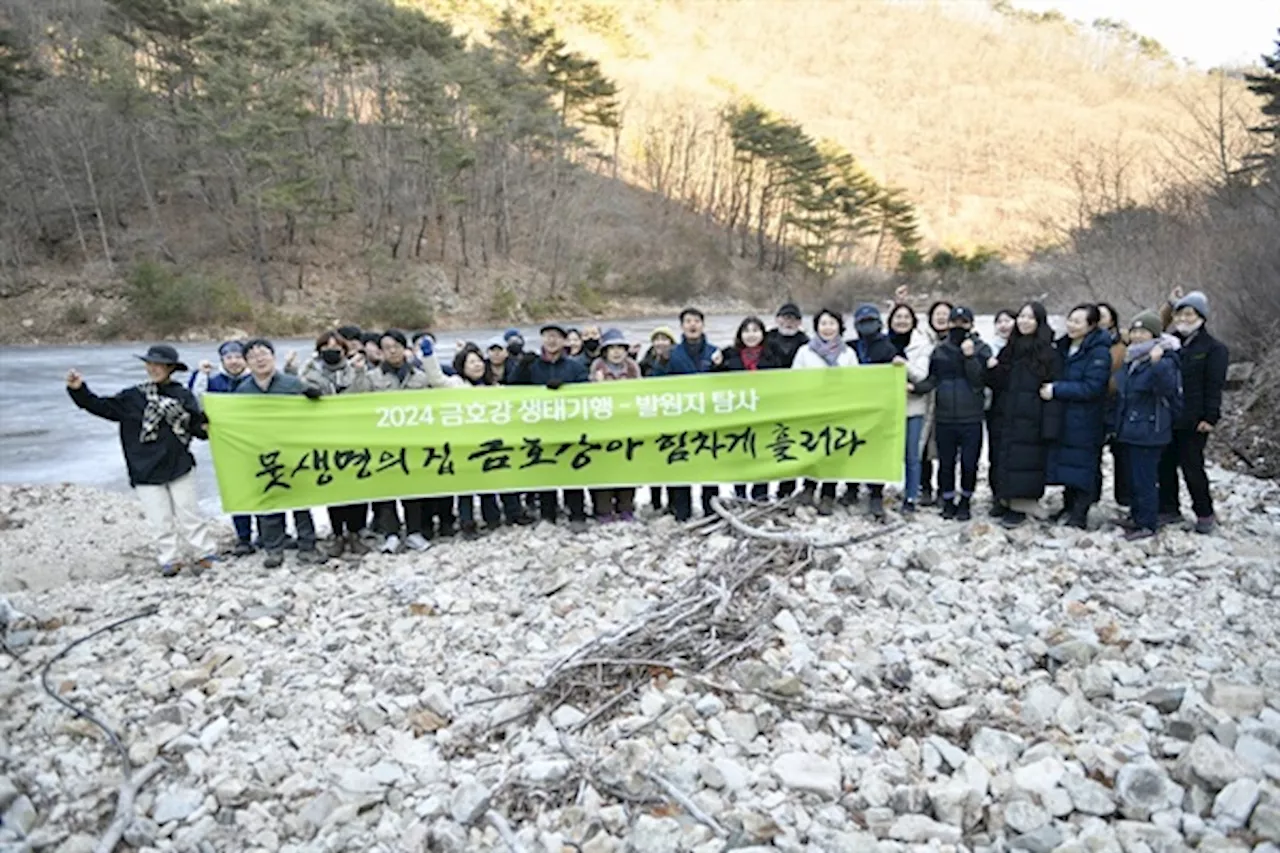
{"points": [[1266, 85]]}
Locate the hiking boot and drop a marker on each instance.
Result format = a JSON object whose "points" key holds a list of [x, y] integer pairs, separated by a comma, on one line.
{"points": [[244, 548], [273, 560], [416, 542], [806, 497], [355, 546], [469, 531], [964, 511], [577, 525], [908, 508], [949, 509], [334, 547], [926, 496], [169, 570], [1079, 518], [522, 520], [391, 544], [1127, 523], [1013, 520], [310, 556], [1206, 524], [1167, 518], [850, 496], [1138, 534], [876, 507], [998, 510], [826, 505]]}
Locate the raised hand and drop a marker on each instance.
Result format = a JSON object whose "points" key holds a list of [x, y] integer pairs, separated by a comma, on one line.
{"points": [[966, 348], [75, 381]]}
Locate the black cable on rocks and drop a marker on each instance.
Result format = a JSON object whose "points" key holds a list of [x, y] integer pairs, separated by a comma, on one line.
{"points": [[149, 610]]}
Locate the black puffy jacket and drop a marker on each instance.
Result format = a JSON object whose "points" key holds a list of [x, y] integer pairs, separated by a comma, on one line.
{"points": [[959, 383], [1204, 375]]}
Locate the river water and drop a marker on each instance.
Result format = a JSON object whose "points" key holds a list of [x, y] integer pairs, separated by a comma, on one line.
{"points": [[44, 438]]}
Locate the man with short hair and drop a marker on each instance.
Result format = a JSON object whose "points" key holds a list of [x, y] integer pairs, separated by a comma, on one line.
{"points": [[553, 367], [694, 354], [782, 342], [496, 355], [158, 419], [263, 378]]}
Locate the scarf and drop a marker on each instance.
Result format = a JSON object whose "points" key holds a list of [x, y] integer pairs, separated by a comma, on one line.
{"points": [[161, 410], [828, 350], [751, 356], [401, 373], [900, 342]]}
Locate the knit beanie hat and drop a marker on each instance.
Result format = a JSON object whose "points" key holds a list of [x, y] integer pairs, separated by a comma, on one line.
{"points": [[1148, 320], [1195, 300]]}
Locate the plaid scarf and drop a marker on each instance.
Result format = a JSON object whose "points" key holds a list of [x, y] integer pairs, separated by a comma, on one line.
{"points": [[160, 410]]}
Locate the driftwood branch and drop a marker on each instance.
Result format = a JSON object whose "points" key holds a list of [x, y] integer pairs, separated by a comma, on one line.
{"points": [[791, 538], [499, 823], [683, 800], [125, 799]]}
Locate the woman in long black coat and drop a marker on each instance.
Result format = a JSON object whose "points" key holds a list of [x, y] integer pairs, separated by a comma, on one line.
{"points": [[1024, 425]]}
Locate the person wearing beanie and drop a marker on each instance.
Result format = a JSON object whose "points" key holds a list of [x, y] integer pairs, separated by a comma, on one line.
{"points": [[158, 419], [1203, 360], [234, 369], [872, 346], [1142, 417], [657, 357]]}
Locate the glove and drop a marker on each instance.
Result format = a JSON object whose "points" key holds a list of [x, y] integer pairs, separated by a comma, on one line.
{"points": [[425, 346], [554, 384], [528, 358], [312, 393]]}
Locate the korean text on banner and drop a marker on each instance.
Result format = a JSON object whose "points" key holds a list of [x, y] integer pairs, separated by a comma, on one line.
{"points": [[273, 453]]}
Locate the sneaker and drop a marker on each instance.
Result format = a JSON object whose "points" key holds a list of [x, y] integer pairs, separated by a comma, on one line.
{"points": [[908, 508], [334, 547], [1167, 518], [168, 570], [416, 542], [310, 556], [368, 536], [964, 511], [605, 518], [355, 545], [577, 525], [244, 548], [1139, 534], [522, 520], [876, 507], [204, 563], [1013, 520], [949, 509], [274, 559], [806, 497], [926, 496], [998, 510], [627, 516], [1205, 525], [391, 544], [850, 496], [469, 531], [826, 505], [1127, 523]]}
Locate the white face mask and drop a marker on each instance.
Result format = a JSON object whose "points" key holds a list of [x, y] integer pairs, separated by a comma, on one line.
{"points": [[1185, 329]]}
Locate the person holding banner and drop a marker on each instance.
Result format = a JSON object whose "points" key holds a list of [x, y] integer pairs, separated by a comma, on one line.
{"points": [[695, 354], [333, 371], [158, 419], [265, 379], [748, 353], [826, 349], [872, 346], [614, 363], [553, 367], [478, 372], [912, 344]]}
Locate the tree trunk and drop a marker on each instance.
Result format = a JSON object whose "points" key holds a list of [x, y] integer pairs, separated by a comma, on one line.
{"points": [[93, 195], [260, 252], [150, 200]]}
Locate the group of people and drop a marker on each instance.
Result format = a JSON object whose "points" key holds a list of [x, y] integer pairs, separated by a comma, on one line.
{"points": [[1150, 391]]}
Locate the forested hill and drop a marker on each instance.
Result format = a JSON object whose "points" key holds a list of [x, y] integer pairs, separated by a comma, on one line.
{"points": [[198, 165]]}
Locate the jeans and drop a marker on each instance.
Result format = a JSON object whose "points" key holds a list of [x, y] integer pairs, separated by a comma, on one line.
{"points": [[759, 491], [1186, 451], [915, 427], [489, 510], [1144, 477], [574, 499], [682, 500], [173, 514], [965, 442], [271, 528], [244, 527]]}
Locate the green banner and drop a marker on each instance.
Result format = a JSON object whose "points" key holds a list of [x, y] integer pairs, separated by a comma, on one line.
{"points": [[274, 453]]}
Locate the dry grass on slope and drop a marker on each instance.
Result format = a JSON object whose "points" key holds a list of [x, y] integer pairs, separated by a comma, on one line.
{"points": [[977, 115]]}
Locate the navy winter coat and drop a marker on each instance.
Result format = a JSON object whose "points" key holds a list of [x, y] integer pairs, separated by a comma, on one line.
{"points": [[874, 350], [536, 370], [1143, 413], [959, 382], [1073, 460], [1204, 374], [689, 358]]}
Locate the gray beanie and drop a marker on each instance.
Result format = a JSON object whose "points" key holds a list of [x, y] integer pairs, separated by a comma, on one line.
{"points": [[1196, 300]]}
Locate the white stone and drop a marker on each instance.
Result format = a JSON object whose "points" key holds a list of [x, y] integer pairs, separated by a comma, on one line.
{"points": [[1145, 788], [566, 717], [918, 829], [805, 771], [1214, 764], [1088, 796], [655, 835], [544, 772], [176, 804], [1238, 700], [996, 749], [1039, 777], [740, 726], [1022, 816], [944, 692], [212, 733], [1234, 804]]}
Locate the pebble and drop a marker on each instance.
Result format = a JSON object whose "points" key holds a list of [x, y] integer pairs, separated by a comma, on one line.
{"points": [[803, 771], [176, 804]]}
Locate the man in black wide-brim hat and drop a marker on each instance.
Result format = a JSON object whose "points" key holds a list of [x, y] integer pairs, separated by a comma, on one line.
{"points": [[157, 421]]}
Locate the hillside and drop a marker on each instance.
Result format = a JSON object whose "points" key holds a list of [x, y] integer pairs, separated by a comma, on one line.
{"points": [[979, 115]]}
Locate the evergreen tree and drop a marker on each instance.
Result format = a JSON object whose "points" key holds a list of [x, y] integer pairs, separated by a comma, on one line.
{"points": [[1266, 85]]}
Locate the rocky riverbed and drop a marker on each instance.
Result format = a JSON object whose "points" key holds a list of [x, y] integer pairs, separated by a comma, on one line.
{"points": [[945, 688]]}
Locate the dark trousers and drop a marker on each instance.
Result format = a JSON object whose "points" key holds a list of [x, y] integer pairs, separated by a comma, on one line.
{"points": [[348, 518], [415, 515], [438, 510], [1185, 452], [609, 501], [1120, 456], [271, 529], [489, 509], [962, 442], [244, 527], [759, 491], [1144, 475], [993, 456], [574, 499], [655, 497], [386, 518], [786, 489], [682, 500]]}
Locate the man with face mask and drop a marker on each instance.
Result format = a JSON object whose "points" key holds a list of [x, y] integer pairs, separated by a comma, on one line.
{"points": [[872, 347], [1204, 362], [782, 342], [515, 348], [590, 344]]}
